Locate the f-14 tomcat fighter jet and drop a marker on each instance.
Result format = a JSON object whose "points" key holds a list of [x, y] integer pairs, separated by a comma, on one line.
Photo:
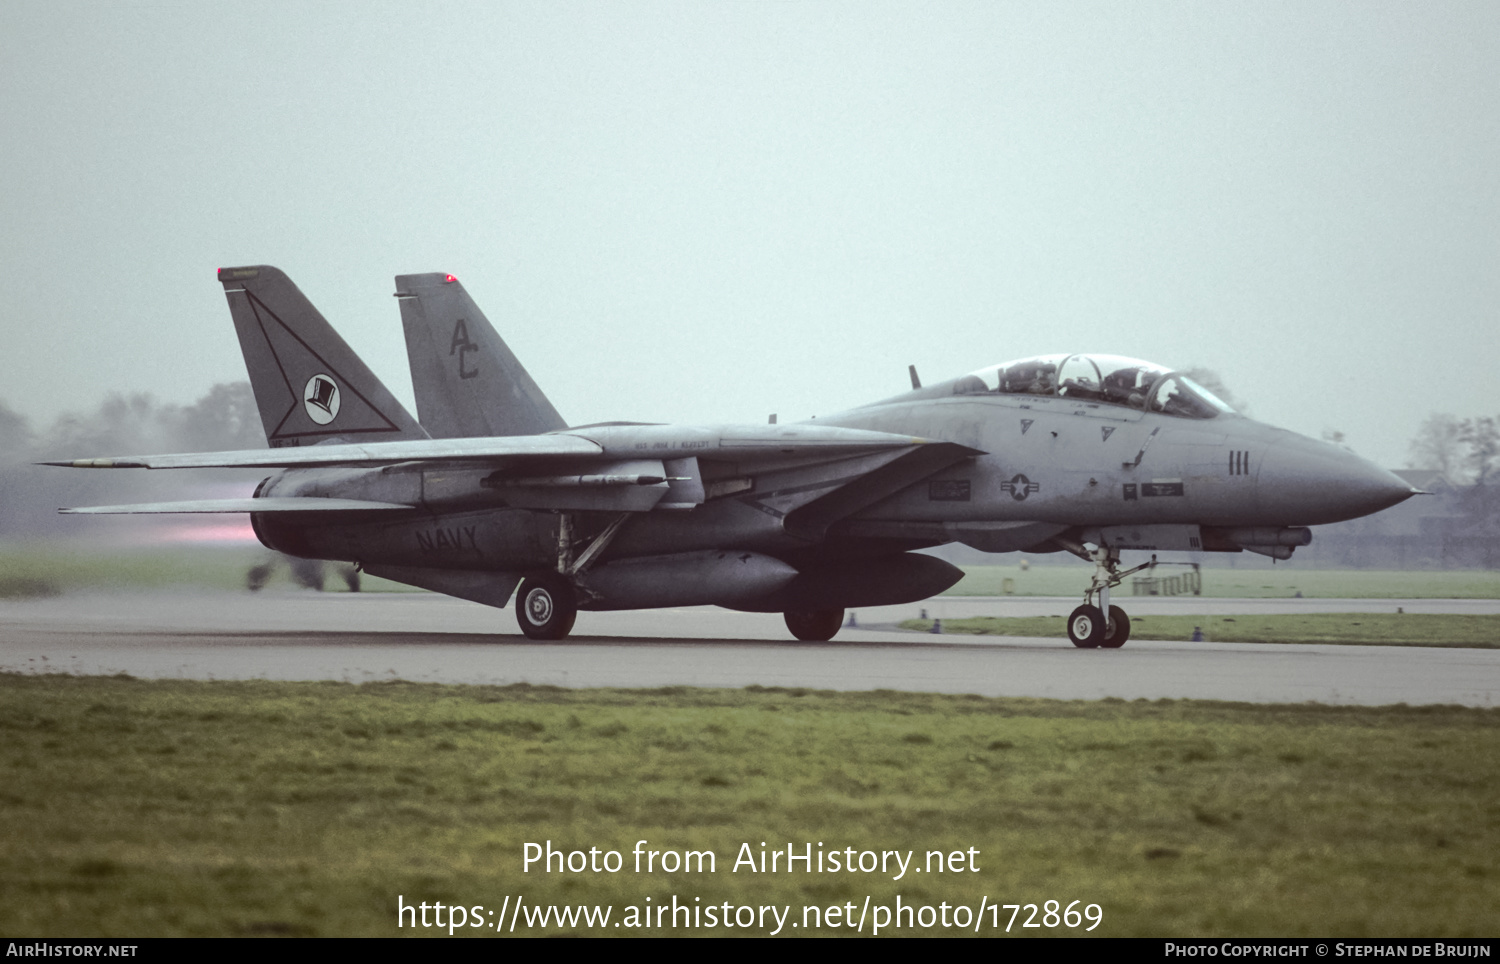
{"points": [[1088, 454]]}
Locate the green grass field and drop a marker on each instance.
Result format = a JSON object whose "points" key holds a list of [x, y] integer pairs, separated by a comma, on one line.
{"points": [[1378, 629], [200, 808]]}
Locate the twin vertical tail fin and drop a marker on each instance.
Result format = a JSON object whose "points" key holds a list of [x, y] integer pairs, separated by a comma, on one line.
{"points": [[468, 383], [309, 384], [311, 387]]}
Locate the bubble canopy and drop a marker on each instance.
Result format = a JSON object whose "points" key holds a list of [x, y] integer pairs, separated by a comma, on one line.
{"points": [[1107, 379]]}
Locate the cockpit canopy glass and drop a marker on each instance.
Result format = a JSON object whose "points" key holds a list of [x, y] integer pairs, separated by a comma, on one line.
{"points": [[1110, 379]]}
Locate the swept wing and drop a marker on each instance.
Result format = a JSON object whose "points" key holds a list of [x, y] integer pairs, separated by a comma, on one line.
{"points": [[274, 504], [631, 468]]}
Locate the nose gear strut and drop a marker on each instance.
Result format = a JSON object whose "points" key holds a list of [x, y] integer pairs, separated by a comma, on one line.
{"points": [[1106, 626]]}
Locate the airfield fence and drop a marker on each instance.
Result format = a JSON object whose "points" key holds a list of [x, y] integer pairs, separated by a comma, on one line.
{"points": [[1188, 583]]}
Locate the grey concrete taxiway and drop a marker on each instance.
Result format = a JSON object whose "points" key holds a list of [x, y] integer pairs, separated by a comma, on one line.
{"points": [[429, 638]]}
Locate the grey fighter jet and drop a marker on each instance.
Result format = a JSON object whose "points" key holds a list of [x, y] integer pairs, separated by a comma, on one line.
{"points": [[1088, 454]]}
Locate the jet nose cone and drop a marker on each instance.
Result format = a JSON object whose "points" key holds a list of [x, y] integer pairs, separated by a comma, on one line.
{"points": [[1319, 483]]}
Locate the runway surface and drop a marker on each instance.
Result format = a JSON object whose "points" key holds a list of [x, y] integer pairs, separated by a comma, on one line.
{"points": [[429, 638]]}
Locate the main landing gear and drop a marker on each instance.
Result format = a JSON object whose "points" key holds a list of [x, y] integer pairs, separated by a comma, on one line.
{"points": [[1088, 626], [546, 606]]}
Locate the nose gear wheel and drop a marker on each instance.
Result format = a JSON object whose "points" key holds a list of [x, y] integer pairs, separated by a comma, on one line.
{"points": [[1086, 627]]}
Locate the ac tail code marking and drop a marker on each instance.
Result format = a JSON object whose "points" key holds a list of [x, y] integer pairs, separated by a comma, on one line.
{"points": [[461, 345]]}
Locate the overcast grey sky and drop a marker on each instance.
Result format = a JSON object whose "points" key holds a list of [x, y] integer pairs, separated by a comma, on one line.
{"points": [[714, 211]]}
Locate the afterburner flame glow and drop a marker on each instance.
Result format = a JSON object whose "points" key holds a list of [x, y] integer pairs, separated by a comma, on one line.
{"points": [[221, 530]]}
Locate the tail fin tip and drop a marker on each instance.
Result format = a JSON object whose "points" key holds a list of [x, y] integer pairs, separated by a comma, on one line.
{"points": [[309, 385], [468, 382]]}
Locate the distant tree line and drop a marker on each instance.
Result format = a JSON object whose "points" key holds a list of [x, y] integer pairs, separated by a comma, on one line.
{"points": [[1456, 525], [1464, 451], [224, 418]]}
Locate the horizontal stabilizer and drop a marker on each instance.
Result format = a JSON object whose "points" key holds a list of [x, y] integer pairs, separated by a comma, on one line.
{"points": [[273, 504], [374, 453]]}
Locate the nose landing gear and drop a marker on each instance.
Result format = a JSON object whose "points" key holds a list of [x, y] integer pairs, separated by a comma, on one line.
{"points": [[1088, 626]]}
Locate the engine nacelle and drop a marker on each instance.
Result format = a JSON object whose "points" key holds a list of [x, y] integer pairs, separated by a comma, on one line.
{"points": [[883, 581], [710, 578]]}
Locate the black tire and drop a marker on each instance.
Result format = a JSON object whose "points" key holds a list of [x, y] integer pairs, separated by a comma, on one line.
{"points": [[1086, 627], [307, 573], [815, 626], [546, 606], [257, 577], [1118, 631]]}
